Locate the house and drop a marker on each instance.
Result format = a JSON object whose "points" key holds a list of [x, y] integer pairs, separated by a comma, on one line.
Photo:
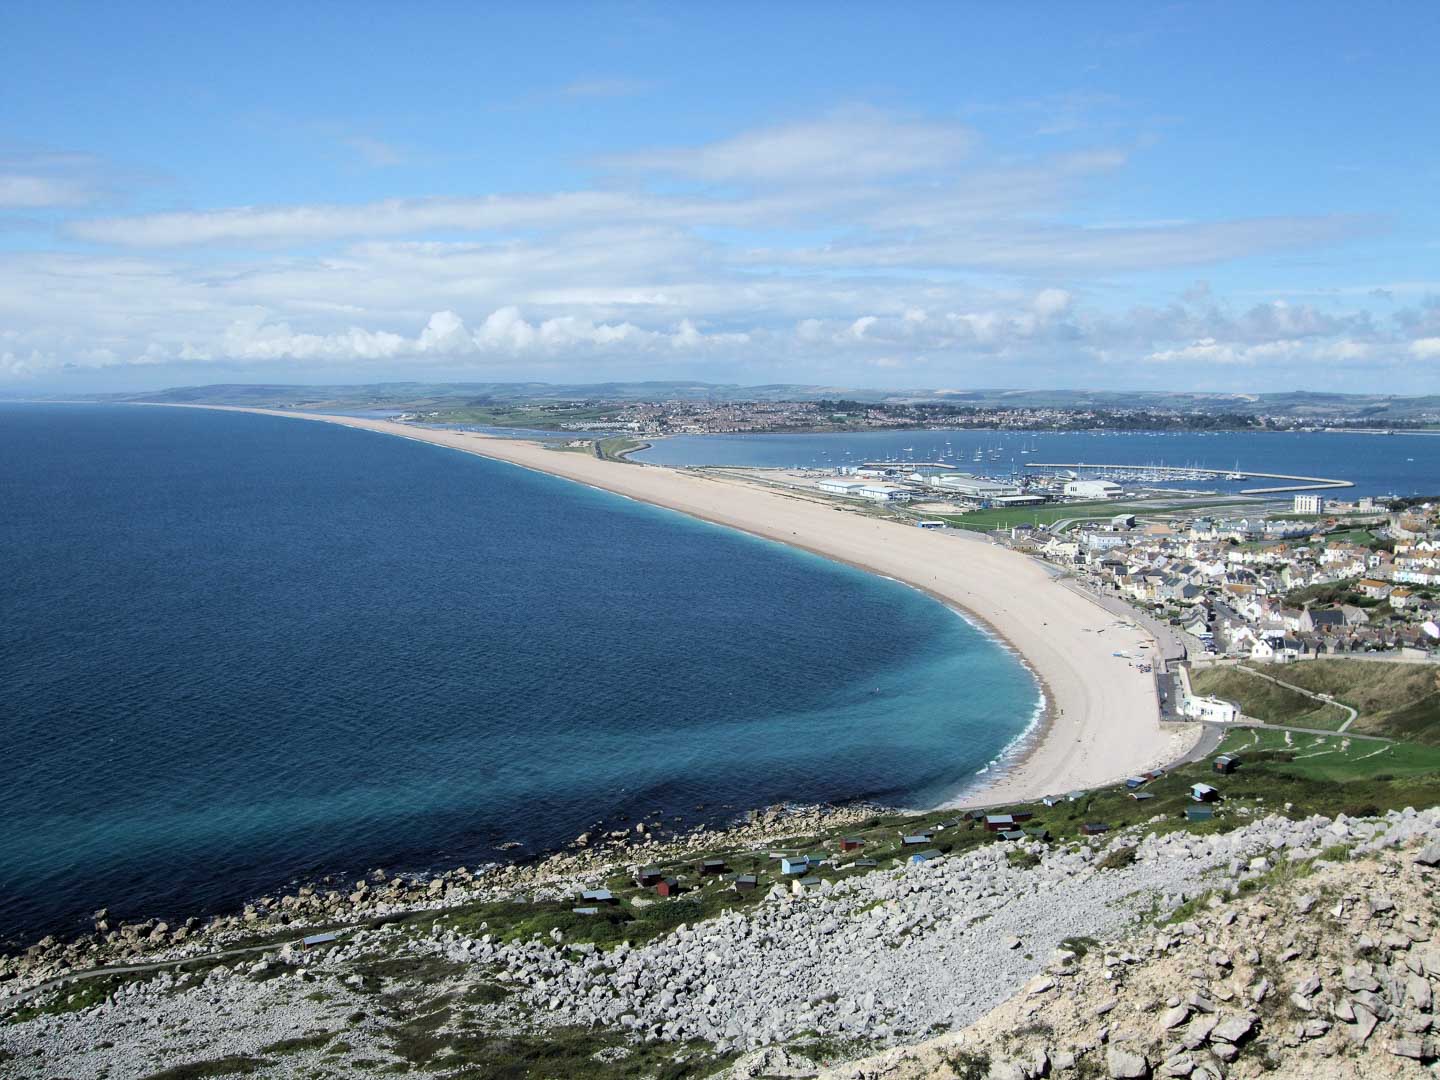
{"points": [[924, 856], [1203, 793], [794, 864], [1313, 621], [667, 887], [1227, 763], [1373, 589]]}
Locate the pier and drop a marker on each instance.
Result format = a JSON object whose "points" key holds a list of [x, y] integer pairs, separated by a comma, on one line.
{"points": [[1170, 472]]}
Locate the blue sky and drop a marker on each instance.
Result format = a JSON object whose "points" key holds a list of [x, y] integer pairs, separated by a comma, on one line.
{"points": [[1207, 196]]}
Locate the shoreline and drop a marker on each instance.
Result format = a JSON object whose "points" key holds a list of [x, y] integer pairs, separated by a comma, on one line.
{"points": [[1101, 719]]}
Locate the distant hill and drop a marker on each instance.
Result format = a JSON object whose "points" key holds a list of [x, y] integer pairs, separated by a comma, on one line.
{"points": [[1296, 405]]}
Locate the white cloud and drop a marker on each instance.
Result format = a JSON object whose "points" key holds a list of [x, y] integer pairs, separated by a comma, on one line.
{"points": [[849, 144], [21, 192]]}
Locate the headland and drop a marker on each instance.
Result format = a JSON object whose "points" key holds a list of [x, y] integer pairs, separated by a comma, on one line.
{"points": [[1101, 720]]}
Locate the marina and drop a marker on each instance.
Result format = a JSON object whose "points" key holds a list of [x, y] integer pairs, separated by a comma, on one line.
{"points": [[1163, 473]]}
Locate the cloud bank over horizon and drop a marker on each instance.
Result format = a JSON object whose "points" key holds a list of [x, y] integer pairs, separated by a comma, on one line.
{"points": [[1020, 243]]}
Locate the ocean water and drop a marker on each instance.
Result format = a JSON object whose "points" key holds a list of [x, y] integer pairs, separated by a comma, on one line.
{"points": [[1375, 464], [237, 650]]}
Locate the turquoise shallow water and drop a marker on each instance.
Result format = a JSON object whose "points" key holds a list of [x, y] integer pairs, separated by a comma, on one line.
{"points": [[239, 650]]}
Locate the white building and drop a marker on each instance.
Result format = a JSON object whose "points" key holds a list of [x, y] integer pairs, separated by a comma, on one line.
{"points": [[974, 487], [1093, 489], [1309, 504], [883, 492], [839, 487]]}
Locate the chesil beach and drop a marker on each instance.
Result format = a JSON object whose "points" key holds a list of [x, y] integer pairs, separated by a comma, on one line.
{"points": [[1101, 720]]}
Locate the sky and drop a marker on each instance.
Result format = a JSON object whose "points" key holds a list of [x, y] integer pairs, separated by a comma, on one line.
{"points": [[1218, 196]]}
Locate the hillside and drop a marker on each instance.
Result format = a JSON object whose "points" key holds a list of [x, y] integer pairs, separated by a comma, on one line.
{"points": [[1298, 405], [1394, 699]]}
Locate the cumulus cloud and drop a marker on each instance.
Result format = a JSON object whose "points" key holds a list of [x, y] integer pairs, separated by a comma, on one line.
{"points": [[855, 240]]}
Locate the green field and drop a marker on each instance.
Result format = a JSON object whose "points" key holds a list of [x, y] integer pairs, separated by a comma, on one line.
{"points": [[1335, 758], [1265, 701]]}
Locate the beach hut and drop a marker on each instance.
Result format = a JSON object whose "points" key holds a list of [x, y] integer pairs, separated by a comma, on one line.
{"points": [[1038, 832], [746, 883], [1011, 834], [804, 885], [667, 887], [648, 877], [1227, 763], [1074, 796], [1053, 800], [924, 856], [313, 940], [915, 840], [999, 822], [586, 910], [864, 863], [794, 864], [1203, 793], [598, 896], [1094, 828], [707, 867], [1199, 813], [1134, 782], [851, 843], [1141, 796]]}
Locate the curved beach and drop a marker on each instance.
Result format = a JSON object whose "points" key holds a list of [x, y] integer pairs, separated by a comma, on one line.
{"points": [[1102, 721]]}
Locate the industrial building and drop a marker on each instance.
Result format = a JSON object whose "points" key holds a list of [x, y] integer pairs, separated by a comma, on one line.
{"points": [[1093, 489], [973, 487]]}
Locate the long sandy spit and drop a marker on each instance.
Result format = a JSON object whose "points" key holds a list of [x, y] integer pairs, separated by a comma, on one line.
{"points": [[1102, 719]]}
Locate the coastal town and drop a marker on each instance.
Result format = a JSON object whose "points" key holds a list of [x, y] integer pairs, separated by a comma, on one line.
{"points": [[1360, 579]]}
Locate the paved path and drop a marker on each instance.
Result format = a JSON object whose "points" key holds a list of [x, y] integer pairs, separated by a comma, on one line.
{"points": [[1322, 698]]}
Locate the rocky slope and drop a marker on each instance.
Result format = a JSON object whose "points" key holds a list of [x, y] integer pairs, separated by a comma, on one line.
{"points": [[1303, 947]]}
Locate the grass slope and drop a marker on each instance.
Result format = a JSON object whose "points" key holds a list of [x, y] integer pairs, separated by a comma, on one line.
{"points": [[1399, 700]]}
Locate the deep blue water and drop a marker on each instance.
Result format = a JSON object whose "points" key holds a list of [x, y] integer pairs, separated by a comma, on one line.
{"points": [[237, 650], [1376, 464]]}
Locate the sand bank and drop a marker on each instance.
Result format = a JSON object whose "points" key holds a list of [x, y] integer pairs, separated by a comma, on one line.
{"points": [[1103, 720]]}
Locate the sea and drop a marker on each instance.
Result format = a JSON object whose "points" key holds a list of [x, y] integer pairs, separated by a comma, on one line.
{"points": [[239, 652], [1400, 464]]}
